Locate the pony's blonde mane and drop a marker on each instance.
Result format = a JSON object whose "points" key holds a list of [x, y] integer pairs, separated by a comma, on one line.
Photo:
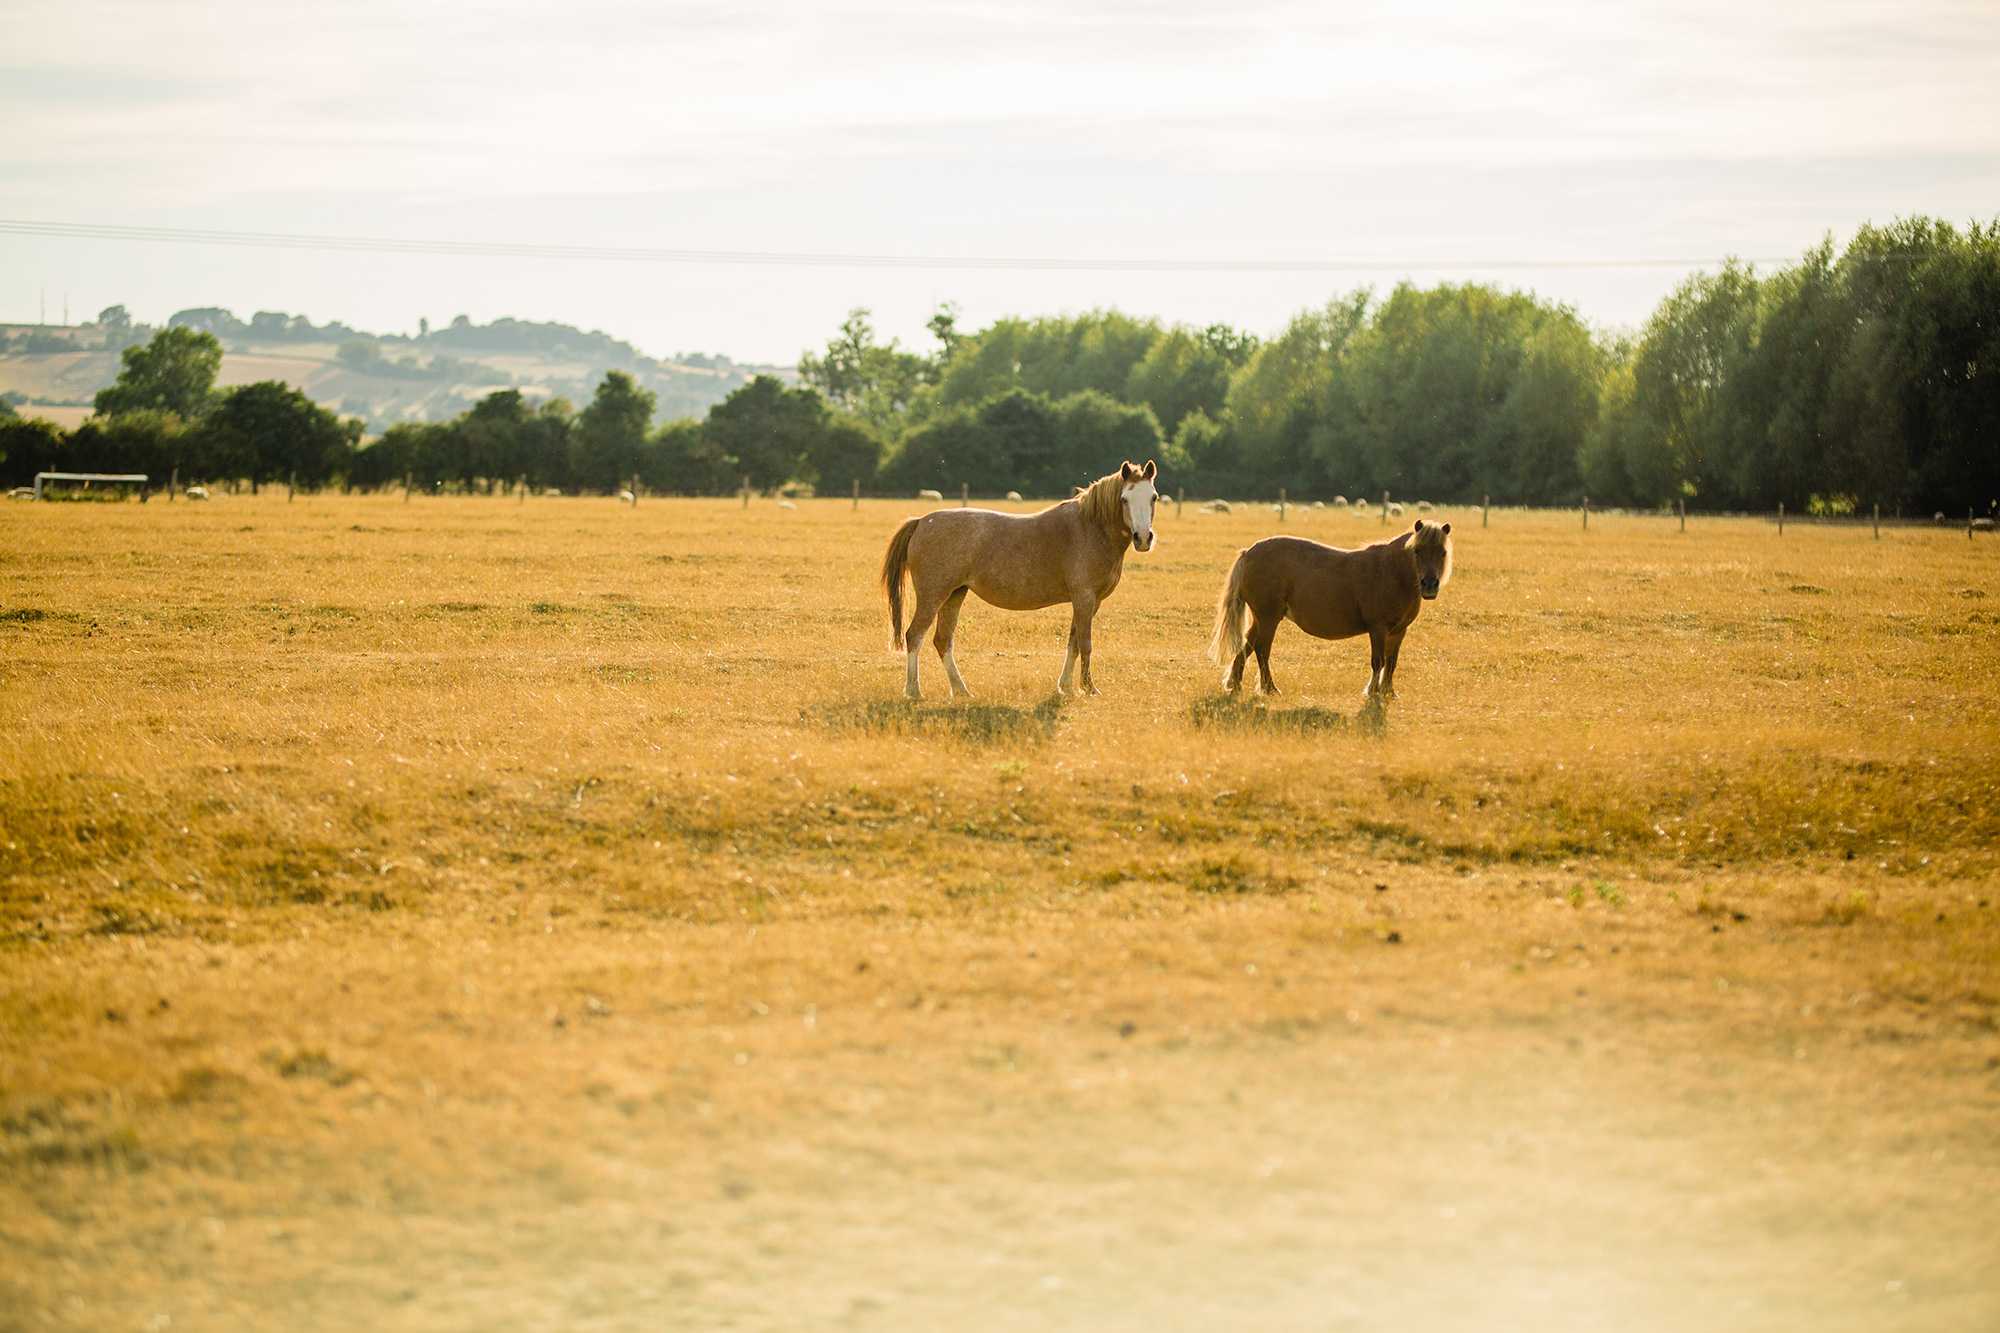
{"points": [[1104, 500], [1433, 536]]}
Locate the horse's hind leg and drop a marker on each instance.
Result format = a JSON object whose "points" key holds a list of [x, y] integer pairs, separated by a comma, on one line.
{"points": [[947, 626], [926, 606], [1262, 632]]}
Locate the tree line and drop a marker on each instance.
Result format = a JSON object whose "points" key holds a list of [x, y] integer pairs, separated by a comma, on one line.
{"points": [[1868, 376]]}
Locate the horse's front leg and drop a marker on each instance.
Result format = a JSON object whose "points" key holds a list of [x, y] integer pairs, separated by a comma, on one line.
{"points": [[1378, 656], [1078, 651], [1392, 646]]}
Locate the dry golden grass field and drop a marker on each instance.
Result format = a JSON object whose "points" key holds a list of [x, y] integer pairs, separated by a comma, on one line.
{"points": [[468, 915]]}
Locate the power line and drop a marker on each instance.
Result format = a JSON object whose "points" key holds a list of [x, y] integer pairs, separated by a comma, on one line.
{"points": [[625, 254]]}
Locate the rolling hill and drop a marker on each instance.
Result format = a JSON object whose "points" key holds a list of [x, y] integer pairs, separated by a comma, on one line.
{"points": [[380, 378]]}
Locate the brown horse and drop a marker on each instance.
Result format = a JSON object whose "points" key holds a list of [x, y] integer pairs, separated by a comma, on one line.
{"points": [[1071, 552], [1330, 594]]}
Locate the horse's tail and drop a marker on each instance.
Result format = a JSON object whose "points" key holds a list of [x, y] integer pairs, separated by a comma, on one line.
{"points": [[1230, 610], [894, 563]]}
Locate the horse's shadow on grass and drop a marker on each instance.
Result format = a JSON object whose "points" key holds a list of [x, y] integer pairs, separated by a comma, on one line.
{"points": [[1242, 712], [969, 721]]}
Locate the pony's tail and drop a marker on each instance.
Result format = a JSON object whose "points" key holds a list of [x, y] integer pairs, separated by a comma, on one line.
{"points": [[893, 564], [1230, 610]]}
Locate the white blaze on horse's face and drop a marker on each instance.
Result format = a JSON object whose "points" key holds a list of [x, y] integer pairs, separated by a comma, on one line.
{"points": [[1139, 497]]}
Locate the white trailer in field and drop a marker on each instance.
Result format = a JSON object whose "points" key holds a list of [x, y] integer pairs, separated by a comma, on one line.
{"points": [[138, 479]]}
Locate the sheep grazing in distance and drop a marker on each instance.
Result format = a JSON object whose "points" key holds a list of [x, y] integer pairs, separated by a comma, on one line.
{"points": [[930, 495], [196, 492], [1395, 511], [627, 497], [786, 504], [1424, 506], [1340, 501], [1014, 495], [1216, 507]]}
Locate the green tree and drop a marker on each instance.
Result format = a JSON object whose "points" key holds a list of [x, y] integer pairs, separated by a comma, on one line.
{"points": [[1094, 434], [680, 459], [1053, 356], [1687, 354], [175, 371], [1280, 398], [871, 380], [269, 431], [1183, 371], [770, 431], [610, 433]]}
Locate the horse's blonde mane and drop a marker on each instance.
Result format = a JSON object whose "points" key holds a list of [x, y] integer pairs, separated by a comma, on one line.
{"points": [[1103, 500], [1433, 536]]}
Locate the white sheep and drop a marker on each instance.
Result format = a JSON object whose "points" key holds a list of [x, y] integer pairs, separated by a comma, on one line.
{"points": [[930, 495], [196, 492], [786, 504], [1013, 495]]}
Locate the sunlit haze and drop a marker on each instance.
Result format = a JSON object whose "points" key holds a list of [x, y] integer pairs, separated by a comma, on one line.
{"points": [[1394, 135]]}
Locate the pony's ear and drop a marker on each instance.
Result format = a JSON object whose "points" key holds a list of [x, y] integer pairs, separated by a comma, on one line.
{"points": [[1447, 529], [1150, 471], [1126, 470]]}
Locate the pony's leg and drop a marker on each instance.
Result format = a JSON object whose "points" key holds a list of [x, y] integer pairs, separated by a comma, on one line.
{"points": [[1081, 610], [1392, 646], [913, 637], [1377, 657], [947, 626], [1262, 634], [1234, 680]]}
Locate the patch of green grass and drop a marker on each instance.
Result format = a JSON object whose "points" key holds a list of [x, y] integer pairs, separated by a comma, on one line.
{"points": [[1236, 712], [1234, 875], [971, 722]]}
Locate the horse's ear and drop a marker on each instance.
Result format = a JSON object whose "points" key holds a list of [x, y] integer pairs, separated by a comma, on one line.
{"points": [[1150, 471], [1126, 470], [1447, 529]]}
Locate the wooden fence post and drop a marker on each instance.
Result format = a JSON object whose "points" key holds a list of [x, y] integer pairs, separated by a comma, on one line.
{"points": [[1682, 505], [291, 485], [409, 478], [746, 492], [1781, 518], [857, 494], [1180, 493], [1485, 503], [173, 481], [964, 493], [1878, 523], [1281, 504], [1385, 509], [1586, 513]]}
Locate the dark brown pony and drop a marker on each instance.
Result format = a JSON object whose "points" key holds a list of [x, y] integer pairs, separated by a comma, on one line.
{"points": [[1330, 594], [1071, 552]]}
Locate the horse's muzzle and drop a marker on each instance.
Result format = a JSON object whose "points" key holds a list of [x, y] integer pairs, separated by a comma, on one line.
{"points": [[1142, 541], [1429, 589]]}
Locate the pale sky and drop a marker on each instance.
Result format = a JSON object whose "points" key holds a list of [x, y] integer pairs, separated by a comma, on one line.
{"points": [[1391, 134]]}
